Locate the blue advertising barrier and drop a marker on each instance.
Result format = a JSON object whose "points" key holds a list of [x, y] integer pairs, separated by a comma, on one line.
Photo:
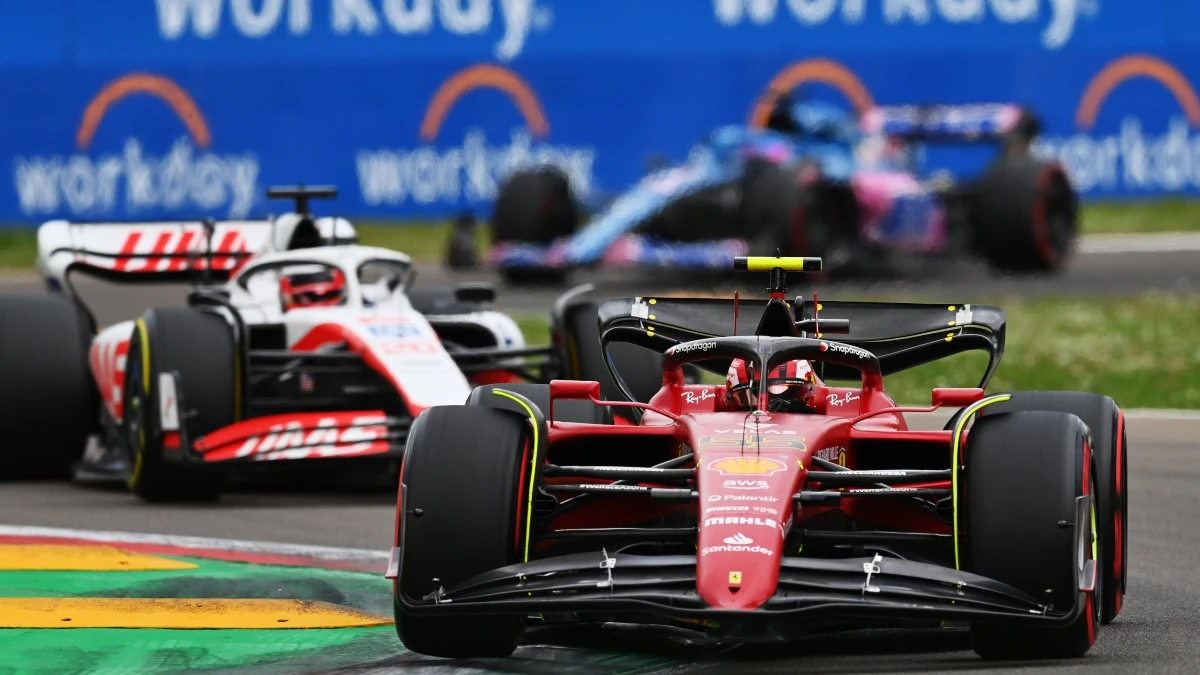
{"points": [[124, 109]]}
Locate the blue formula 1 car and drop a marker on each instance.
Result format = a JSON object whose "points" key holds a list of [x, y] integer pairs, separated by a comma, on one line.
{"points": [[814, 181]]}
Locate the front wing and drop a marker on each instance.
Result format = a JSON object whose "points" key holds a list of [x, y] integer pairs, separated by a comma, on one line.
{"points": [[808, 589]]}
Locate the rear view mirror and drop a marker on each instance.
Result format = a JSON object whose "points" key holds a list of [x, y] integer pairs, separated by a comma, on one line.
{"points": [[475, 293], [956, 397]]}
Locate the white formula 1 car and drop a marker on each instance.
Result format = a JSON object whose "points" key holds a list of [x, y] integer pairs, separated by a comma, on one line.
{"points": [[296, 344]]}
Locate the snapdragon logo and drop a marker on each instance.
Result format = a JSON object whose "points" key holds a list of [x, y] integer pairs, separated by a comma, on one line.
{"points": [[1060, 16], [135, 180], [1134, 158], [473, 171], [257, 19]]}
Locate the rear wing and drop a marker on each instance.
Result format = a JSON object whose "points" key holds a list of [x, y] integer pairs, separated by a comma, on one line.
{"points": [[182, 251], [900, 335], [975, 123]]}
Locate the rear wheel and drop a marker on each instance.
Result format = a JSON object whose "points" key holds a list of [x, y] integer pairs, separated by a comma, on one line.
{"points": [[1023, 473], [641, 369], [198, 346], [1025, 215], [534, 207], [467, 471], [48, 400], [1107, 424]]}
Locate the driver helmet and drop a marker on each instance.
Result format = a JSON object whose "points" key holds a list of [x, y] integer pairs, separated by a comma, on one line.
{"points": [[325, 288], [791, 381]]}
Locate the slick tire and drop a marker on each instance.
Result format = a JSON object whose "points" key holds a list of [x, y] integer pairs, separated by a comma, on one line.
{"points": [[539, 394], [48, 398], [1023, 473], [1026, 216], [199, 347], [534, 206], [1107, 424], [641, 369], [468, 471]]}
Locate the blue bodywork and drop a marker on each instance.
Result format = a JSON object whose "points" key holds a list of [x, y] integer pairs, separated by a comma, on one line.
{"points": [[826, 135]]}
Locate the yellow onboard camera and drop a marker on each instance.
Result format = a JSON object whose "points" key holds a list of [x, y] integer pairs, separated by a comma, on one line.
{"points": [[762, 263], [778, 266]]}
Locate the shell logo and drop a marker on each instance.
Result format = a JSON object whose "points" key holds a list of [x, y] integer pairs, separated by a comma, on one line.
{"points": [[747, 466]]}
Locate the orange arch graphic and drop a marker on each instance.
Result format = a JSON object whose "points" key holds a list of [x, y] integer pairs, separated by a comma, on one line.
{"points": [[1127, 67], [476, 77], [142, 83], [825, 71]]}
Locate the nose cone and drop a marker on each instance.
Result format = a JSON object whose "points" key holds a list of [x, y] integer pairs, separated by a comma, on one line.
{"points": [[745, 503], [740, 571]]}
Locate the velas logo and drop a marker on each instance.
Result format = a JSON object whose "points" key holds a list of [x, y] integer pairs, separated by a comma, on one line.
{"points": [[817, 71], [470, 170], [189, 177], [1132, 158]]}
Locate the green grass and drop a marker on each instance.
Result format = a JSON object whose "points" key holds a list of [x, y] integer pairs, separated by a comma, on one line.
{"points": [[1140, 351], [1174, 215], [425, 241]]}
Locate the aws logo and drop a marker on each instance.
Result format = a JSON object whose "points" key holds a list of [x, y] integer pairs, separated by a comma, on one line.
{"points": [[469, 169], [135, 182], [1133, 160]]}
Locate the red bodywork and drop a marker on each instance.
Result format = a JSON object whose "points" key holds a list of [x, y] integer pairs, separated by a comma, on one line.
{"points": [[749, 467]]}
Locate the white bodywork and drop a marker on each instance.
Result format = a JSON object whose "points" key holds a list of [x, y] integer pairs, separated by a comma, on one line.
{"points": [[376, 321]]}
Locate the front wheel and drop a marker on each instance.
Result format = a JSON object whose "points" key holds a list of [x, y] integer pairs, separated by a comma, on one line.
{"points": [[1023, 474], [198, 348], [468, 471]]}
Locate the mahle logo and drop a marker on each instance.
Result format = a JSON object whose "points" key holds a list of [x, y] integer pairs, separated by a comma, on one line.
{"points": [[430, 174], [187, 177], [1132, 159]]}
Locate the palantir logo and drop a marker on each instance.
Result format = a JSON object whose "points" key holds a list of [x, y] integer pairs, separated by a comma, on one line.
{"points": [[91, 185], [1131, 159], [1064, 14], [430, 175], [366, 18]]}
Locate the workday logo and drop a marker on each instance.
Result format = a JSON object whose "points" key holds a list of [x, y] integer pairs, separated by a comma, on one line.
{"points": [[1133, 158], [91, 184], [1060, 16], [512, 20], [473, 169]]}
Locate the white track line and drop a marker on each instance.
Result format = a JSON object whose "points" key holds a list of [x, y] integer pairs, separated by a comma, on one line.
{"points": [[1157, 242], [270, 548]]}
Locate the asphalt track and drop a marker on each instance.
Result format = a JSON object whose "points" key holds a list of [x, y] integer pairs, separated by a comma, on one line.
{"points": [[1156, 633]]}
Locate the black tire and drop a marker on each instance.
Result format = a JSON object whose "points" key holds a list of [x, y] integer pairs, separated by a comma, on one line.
{"points": [[1024, 471], [199, 347], [464, 468], [534, 206], [771, 200], [48, 400], [1025, 215], [1106, 422], [641, 369]]}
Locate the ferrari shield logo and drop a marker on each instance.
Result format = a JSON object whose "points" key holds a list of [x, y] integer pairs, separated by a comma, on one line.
{"points": [[735, 577], [747, 466]]}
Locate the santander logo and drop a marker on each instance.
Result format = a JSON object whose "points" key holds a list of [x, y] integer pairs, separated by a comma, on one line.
{"points": [[738, 539]]}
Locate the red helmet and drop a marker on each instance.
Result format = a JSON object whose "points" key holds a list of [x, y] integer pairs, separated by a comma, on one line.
{"points": [[792, 381], [325, 288]]}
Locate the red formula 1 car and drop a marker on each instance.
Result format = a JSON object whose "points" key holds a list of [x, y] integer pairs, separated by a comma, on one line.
{"points": [[749, 513]]}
